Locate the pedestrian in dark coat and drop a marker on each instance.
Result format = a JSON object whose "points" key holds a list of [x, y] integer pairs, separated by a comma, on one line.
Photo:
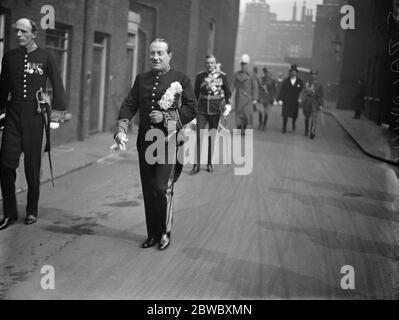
{"points": [[25, 70], [289, 97], [151, 95], [358, 99], [213, 94]]}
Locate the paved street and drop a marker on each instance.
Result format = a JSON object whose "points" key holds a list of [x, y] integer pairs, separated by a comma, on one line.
{"points": [[285, 231]]}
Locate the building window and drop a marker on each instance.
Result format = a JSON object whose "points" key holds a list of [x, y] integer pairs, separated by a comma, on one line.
{"points": [[2, 40], [294, 50], [57, 43]]}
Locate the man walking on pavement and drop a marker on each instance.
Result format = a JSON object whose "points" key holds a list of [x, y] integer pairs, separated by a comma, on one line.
{"points": [[24, 72], [155, 94], [213, 94], [289, 97], [268, 95], [358, 99], [246, 95], [312, 103]]}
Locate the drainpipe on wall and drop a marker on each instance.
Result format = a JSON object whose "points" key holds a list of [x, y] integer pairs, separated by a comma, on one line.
{"points": [[84, 77]]}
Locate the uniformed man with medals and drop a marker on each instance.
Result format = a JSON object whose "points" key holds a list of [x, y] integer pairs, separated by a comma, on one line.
{"points": [[24, 75], [213, 94], [166, 101]]}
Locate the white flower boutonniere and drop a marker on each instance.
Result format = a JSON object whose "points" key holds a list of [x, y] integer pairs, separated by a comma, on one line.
{"points": [[169, 96]]}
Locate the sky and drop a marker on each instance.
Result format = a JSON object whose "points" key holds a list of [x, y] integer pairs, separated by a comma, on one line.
{"points": [[283, 8]]}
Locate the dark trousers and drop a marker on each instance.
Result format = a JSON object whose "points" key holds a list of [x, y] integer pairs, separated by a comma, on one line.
{"points": [[213, 122], [23, 132], [263, 117], [310, 118], [156, 180], [285, 121], [312, 123]]}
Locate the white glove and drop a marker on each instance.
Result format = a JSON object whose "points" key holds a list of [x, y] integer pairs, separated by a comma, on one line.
{"points": [[120, 142], [2, 116], [280, 102], [227, 111], [54, 125], [192, 124]]}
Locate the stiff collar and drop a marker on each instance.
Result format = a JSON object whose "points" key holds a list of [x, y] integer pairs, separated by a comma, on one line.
{"points": [[161, 72], [25, 50]]}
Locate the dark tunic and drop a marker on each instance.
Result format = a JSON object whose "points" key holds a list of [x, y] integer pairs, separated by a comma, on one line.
{"points": [[289, 94], [313, 98], [210, 90], [22, 75], [147, 90], [268, 90]]}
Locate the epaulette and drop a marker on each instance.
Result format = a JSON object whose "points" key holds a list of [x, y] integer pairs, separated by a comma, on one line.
{"points": [[201, 72]]}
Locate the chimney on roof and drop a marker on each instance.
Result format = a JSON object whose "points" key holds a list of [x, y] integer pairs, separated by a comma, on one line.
{"points": [[294, 12], [303, 11]]}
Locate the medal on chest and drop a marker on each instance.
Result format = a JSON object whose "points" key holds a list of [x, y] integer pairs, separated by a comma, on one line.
{"points": [[34, 68]]}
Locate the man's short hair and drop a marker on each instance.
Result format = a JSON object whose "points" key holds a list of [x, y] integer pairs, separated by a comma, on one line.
{"points": [[210, 56], [32, 24], [164, 41]]}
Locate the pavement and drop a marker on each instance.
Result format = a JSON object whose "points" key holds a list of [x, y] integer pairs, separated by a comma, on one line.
{"points": [[375, 141], [314, 206]]}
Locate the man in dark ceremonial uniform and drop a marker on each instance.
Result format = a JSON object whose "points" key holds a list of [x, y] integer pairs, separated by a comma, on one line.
{"points": [[267, 89], [25, 70], [157, 178], [213, 94], [289, 97]]}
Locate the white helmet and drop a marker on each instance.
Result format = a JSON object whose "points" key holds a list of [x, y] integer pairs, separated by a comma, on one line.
{"points": [[245, 59]]}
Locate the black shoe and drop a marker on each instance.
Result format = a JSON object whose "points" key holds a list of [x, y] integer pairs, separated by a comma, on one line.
{"points": [[312, 136], [196, 169], [164, 242], [30, 219], [150, 242], [6, 222], [209, 168]]}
